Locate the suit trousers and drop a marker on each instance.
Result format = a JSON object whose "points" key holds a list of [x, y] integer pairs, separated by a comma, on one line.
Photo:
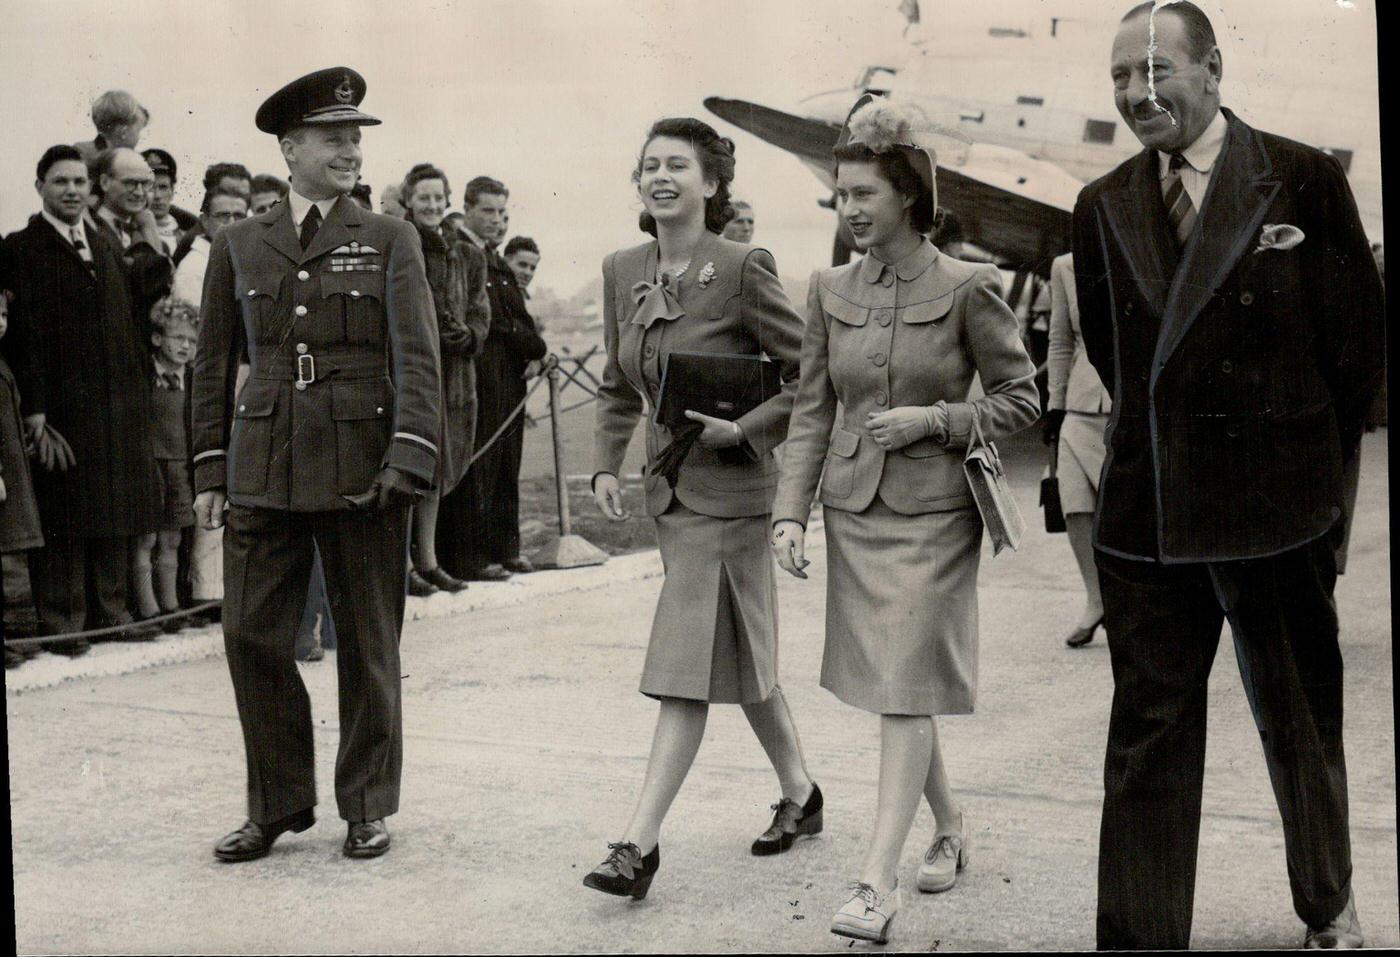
{"points": [[267, 569], [1163, 624], [79, 583]]}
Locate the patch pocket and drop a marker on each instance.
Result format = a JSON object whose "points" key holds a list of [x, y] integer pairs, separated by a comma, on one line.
{"points": [[839, 477], [361, 297], [250, 444], [363, 416]]}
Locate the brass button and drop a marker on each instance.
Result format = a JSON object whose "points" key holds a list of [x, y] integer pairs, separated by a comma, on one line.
{"points": [[881, 398], [301, 348], [878, 358], [1246, 298], [300, 310], [1227, 366], [303, 275], [354, 294], [301, 386], [242, 408], [379, 410], [252, 292]]}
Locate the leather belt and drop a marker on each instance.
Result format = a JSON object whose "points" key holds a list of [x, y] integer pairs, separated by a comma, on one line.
{"points": [[309, 367]]}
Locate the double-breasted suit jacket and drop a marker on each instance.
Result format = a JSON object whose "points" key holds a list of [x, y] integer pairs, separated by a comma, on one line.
{"points": [[741, 310], [343, 343], [873, 344], [1241, 373]]}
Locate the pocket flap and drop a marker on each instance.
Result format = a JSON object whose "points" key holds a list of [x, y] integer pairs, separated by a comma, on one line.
{"points": [[844, 443], [847, 312], [924, 449], [252, 285], [356, 285], [257, 401], [359, 400], [930, 311]]}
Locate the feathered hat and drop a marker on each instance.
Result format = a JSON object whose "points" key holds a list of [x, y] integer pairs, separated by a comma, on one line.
{"points": [[881, 124]]}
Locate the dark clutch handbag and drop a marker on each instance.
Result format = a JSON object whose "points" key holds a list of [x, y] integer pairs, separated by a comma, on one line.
{"points": [[716, 384], [992, 492], [1050, 495]]}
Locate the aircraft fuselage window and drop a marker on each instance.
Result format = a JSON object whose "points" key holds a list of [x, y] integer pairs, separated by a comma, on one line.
{"points": [[1099, 131], [1030, 100], [1342, 156], [972, 117]]}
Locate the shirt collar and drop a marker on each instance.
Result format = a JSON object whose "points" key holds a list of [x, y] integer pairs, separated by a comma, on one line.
{"points": [[301, 206], [64, 229], [1202, 154], [909, 268], [112, 218], [476, 240]]}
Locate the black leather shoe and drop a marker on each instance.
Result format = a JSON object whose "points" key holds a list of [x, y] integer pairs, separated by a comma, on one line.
{"points": [[13, 659], [254, 840], [132, 630], [1343, 933], [366, 838], [72, 647], [1082, 636], [418, 586], [626, 873], [443, 581], [487, 573], [519, 565], [789, 823], [170, 625]]}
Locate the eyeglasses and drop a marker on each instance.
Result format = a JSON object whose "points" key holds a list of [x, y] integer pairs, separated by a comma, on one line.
{"points": [[227, 216], [138, 185]]}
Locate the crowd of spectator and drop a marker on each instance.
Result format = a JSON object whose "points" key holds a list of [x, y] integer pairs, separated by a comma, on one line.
{"points": [[99, 316]]}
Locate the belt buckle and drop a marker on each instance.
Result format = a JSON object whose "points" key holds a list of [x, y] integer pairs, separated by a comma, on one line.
{"points": [[306, 371]]}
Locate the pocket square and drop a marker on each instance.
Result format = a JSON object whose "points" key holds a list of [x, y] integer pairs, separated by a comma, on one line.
{"points": [[1278, 236]]}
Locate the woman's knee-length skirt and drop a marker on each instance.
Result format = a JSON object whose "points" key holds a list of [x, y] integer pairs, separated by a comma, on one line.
{"points": [[901, 609], [715, 635], [1081, 454]]}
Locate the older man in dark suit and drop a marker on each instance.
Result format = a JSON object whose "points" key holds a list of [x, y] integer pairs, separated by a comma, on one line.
{"points": [[326, 445], [1227, 295], [79, 347]]}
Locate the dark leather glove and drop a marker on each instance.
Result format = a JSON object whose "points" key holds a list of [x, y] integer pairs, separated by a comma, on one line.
{"points": [[1050, 424], [390, 487]]}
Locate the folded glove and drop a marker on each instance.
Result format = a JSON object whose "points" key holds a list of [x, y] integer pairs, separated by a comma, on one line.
{"points": [[669, 462], [390, 487]]}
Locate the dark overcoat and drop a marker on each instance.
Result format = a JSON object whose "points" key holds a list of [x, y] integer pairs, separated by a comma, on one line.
{"points": [[1241, 372], [81, 355]]}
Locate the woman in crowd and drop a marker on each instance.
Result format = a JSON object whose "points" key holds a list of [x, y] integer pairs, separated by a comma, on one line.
{"points": [[1077, 414], [457, 275], [892, 343], [714, 636]]}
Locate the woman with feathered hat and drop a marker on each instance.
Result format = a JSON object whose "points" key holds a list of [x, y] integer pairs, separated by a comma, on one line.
{"points": [[892, 343]]}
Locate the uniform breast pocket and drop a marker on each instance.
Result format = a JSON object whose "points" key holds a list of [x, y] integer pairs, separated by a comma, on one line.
{"points": [[250, 446], [363, 413], [360, 297], [258, 293]]}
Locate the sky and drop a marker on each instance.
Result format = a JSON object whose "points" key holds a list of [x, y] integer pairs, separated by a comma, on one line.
{"points": [[552, 97]]}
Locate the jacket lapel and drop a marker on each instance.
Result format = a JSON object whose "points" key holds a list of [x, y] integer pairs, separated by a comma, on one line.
{"points": [[1242, 187], [629, 337], [44, 228], [335, 231], [280, 233], [1139, 224]]}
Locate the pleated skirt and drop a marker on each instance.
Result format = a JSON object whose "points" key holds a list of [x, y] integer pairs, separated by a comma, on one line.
{"points": [[715, 634], [901, 610]]}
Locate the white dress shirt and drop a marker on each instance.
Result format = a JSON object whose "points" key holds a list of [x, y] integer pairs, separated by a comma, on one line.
{"points": [[1200, 159], [301, 206], [73, 232]]}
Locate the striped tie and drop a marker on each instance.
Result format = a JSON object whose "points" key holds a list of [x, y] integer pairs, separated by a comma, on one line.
{"points": [[1181, 213]]}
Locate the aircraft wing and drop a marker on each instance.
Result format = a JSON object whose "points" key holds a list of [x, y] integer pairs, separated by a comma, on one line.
{"points": [[1015, 206]]}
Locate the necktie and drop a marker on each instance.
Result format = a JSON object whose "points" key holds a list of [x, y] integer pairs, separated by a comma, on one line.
{"points": [[1181, 212], [75, 236], [310, 225], [169, 381]]}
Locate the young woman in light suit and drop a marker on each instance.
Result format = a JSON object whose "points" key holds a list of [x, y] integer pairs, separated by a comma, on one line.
{"points": [[714, 637], [895, 338]]}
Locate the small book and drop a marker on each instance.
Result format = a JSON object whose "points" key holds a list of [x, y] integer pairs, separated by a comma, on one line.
{"points": [[715, 384]]}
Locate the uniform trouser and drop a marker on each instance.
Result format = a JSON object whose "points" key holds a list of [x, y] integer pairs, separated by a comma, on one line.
{"points": [[267, 568], [1163, 624], [493, 531], [79, 583]]}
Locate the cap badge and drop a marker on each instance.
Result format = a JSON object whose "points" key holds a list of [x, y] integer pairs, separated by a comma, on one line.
{"points": [[345, 92]]}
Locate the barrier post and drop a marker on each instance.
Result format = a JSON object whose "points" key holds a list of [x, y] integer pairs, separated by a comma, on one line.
{"points": [[570, 551]]}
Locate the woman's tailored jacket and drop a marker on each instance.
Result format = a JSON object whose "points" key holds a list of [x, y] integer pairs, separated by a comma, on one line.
{"points": [[913, 334], [740, 309], [1074, 383]]}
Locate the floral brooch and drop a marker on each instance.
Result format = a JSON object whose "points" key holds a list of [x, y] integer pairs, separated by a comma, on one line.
{"points": [[706, 274]]}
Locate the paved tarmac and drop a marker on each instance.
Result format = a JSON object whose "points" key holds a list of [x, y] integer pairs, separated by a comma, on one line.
{"points": [[525, 744]]}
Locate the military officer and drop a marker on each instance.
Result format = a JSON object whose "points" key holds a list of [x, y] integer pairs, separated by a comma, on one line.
{"points": [[328, 442]]}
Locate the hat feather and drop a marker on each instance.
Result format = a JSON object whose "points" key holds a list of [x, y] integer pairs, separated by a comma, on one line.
{"points": [[881, 125]]}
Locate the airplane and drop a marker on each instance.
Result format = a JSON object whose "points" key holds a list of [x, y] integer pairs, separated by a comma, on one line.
{"points": [[1025, 84]]}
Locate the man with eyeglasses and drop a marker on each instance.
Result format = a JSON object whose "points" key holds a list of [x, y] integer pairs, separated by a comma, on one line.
{"points": [[222, 206], [126, 183]]}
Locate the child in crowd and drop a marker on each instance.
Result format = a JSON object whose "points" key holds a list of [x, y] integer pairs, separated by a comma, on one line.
{"points": [[19, 513], [174, 332]]}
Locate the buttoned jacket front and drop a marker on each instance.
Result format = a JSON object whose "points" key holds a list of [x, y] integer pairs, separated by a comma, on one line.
{"points": [[343, 343], [913, 334], [730, 302]]}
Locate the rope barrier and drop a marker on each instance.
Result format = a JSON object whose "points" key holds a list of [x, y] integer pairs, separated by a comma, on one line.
{"points": [[113, 629], [514, 413]]}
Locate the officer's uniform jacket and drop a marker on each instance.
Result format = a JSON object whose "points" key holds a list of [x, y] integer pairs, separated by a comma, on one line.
{"points": [[1241, 374], [913, 334], [740, 309], [343, 344]]}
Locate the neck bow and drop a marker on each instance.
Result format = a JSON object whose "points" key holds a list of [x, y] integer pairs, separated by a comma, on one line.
{"points": [[656, 300]]}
